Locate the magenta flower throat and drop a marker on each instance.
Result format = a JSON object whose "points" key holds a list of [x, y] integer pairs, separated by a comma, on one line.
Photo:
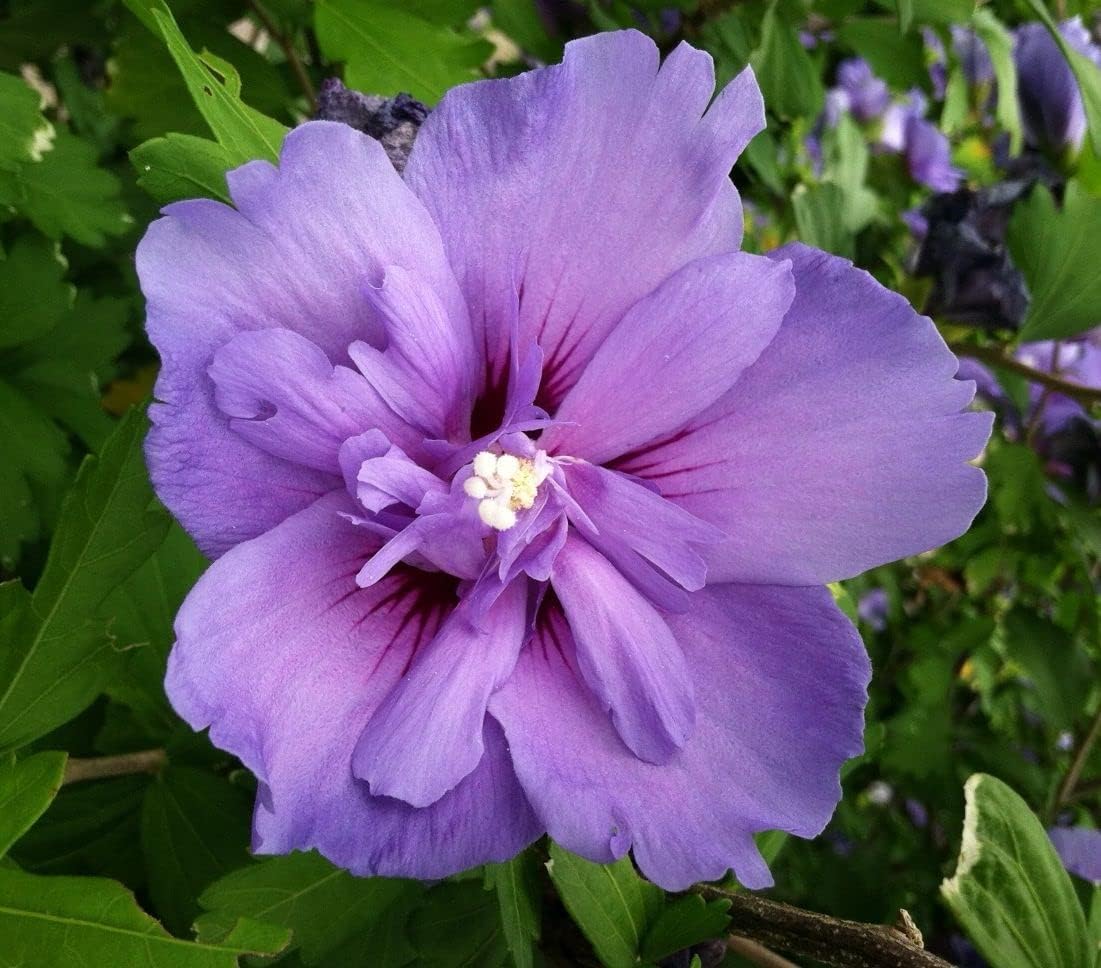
{"points": [[523, 482]]}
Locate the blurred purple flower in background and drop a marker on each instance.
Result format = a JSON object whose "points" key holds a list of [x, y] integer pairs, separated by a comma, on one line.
{"points": [[863, 94], [929, 156], [1079, 848], [894, 127], [873, 608], [523, 481], [1058, 427], [1052, 113]]}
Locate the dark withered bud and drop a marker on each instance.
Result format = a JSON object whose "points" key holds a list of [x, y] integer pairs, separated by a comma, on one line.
{"points": [[392, 121], [963, 248]]}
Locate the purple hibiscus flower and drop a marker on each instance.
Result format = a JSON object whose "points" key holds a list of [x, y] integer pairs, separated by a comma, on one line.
{"points": [[522, 480], [1051, 104]]}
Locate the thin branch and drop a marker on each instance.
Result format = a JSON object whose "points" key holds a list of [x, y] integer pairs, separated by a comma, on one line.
{"points": [[287, 44], [832, 941], [758, 954], [996, 357], [125, 764], [1084, 791], [1069, 783]]}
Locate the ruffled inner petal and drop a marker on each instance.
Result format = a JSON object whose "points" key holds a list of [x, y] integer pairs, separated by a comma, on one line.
{"points": [[625, 652], [283, 395], [426, 735]]}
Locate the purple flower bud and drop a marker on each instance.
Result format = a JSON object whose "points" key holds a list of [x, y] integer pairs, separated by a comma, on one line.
{"points": [[867, 94], [974, 58], [392, 121], [929, 157], [917, 813], [873, 607], [1051, 104]]}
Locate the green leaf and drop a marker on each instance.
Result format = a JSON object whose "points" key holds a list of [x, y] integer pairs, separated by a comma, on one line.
{"points": [[518, 894], [215, 87], [60, 372], [27, 788], [954, 113], [32, 475], [180, 166], [90, 828], [847, 168], [33, 293], [141, 612], [905, 10], [194, 829], [788, 77], [933, 11], [820, 218], [388, 49], [999, 44], [1059, 674], [896, 57], [458, 926], [323, 905], [48, 921], [1010, 893], [52, 651], [611, 904], [33, 31], [1085, 71], [521, 21], [25, 135], [685, 922], [1056, 249], [66, 193]]}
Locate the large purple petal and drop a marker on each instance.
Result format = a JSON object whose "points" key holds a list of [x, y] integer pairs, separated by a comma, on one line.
{"points": [[300, 254], [426, 735], [841, 448], [428, 368], [674, 354], [582, 187], [780, 681], [285, 659], [625, 653]]}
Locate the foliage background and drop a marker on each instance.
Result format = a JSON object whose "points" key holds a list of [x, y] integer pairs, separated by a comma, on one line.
{"points": [[986, 660]]}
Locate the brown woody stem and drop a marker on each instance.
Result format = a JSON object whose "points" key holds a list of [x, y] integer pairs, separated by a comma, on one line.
{"points": [[832, 941]]}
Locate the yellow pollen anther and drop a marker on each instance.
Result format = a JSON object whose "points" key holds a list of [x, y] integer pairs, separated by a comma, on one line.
{"points": [[524, 486], [503, 484]]}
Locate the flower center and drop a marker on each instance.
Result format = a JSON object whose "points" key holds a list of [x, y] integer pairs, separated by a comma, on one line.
{"points": [[503, 484]]}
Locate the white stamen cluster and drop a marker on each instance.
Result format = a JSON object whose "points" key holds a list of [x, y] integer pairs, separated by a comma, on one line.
{"points": [[502, 484]]}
